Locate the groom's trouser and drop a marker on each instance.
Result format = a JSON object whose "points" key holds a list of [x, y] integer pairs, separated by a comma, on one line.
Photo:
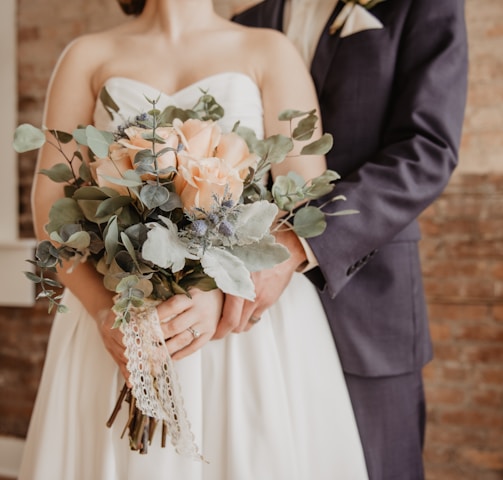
{"points": [[390, 413]]}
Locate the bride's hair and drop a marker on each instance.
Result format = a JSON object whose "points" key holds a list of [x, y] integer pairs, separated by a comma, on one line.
{"points": [[132, 7]]}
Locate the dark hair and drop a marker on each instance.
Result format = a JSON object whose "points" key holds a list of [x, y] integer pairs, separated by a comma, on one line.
{"points": [[132, 7]]}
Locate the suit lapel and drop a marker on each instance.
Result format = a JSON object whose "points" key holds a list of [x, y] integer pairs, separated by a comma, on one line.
{"points": [[325, 51]]}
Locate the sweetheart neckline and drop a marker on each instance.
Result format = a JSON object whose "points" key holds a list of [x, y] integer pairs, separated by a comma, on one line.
{"points": [[183, 89]]}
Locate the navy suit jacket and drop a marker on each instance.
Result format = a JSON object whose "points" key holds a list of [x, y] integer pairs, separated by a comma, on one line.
{"points": [[394, 100]]}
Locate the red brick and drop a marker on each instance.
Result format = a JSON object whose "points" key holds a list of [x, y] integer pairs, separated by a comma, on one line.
{"points": [[488, 398], [450, 312], [490, 333], [454, 435], [440, 331], [444, 395], [491, 375], [471, 418], [489, 460], [484, 354], [497, 311]]}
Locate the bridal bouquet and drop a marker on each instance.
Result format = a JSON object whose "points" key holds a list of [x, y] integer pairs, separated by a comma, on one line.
{"points": [[166, 203]]}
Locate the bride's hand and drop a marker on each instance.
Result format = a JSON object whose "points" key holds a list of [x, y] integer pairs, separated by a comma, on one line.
{"points": [[240, 315], [112, 338], [189, 323]]}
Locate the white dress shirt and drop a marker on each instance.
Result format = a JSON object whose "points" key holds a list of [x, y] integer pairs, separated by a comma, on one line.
{"points": [[303, 23]]}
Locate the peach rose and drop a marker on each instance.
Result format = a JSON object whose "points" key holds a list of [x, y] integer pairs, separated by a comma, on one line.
{"points": [[199, 180], [136, 142], [210, 164], [234, 150], [199, 138], [114, 166]]}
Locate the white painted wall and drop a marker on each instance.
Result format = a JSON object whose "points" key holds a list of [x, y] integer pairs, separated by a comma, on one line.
{"points": [[15, 289]]}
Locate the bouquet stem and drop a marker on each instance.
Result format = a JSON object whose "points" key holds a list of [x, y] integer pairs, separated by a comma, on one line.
{"points": [[141, 427]]}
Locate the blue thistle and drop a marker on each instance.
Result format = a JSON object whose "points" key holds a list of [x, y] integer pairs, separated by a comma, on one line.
{"points": [[199, 227], [226, 229]]}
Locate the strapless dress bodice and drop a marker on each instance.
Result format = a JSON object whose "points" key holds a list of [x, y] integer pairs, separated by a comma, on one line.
{"points": [[236, 92]]}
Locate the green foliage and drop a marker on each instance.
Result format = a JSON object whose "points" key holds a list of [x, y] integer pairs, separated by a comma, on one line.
{"points": [[27, 138], [135, 231]]}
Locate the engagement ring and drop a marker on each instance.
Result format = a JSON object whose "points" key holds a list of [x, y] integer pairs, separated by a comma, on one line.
{"points": [[254, 319], [195, 333]]}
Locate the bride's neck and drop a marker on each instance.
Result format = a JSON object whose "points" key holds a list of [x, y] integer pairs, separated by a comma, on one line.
{"points": [[176, 17]]}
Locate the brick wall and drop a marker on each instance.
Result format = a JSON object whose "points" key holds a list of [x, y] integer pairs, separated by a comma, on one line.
{"points": [[462, 250]]}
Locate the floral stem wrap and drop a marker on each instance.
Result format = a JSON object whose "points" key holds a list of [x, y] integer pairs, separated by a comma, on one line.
{"points": [[154, 380]]}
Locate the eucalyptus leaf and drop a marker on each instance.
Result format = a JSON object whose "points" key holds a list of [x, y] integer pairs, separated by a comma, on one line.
{"points": [[131, 182], [229, 273], [90, 208], [153, 138], [79, 135], [84, 170], [47, 254], [62, 137], [129, 247], [248, 135], [108, 102], [287, 191], [144, 156], [98, 141], [32, 277], [309, 222], [208, 108], [59, 173], [78, 241], [327, 176], [62, 212], [124, 261], [137, 234], [111, 237], [112, 205], [318, 190], [291, 114], [174, 202], [274, 149], [94, 193], [319, 147], [154, 196], [199, 280], [305, 128], [171, 112], [127, 283], [52, 283], [27, 138], [341, 213]]}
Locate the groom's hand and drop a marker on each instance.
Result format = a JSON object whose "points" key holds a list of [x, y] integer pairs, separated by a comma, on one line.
{"points": [[239, 315]]}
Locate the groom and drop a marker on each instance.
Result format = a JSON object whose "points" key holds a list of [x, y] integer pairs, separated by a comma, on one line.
{"points": [[391, 81]]}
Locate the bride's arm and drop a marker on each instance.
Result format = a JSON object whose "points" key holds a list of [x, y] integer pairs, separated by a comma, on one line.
{"points": [[285, 84], [70, 102]]}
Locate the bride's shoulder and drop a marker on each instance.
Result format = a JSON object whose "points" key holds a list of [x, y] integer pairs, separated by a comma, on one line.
{"points": [[266, 43], [87, 49]]}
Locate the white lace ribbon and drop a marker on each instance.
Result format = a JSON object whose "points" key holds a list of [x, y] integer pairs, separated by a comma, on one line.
{"points": [[154, 380]]}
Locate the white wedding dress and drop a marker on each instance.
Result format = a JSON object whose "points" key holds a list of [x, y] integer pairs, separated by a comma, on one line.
{"points": [[269, 404]]}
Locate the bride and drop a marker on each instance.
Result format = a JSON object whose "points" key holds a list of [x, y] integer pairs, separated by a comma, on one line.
{"points": [[269, 404]]}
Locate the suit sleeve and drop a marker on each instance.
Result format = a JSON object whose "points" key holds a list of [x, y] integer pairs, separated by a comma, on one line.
{"points": [[419, 148]]}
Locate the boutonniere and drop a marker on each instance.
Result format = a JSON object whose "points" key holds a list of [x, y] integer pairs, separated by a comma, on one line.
{"points": [[355, 17]]}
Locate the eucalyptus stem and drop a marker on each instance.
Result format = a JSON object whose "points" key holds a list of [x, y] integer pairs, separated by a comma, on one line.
{"points": [[118, 405]]}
